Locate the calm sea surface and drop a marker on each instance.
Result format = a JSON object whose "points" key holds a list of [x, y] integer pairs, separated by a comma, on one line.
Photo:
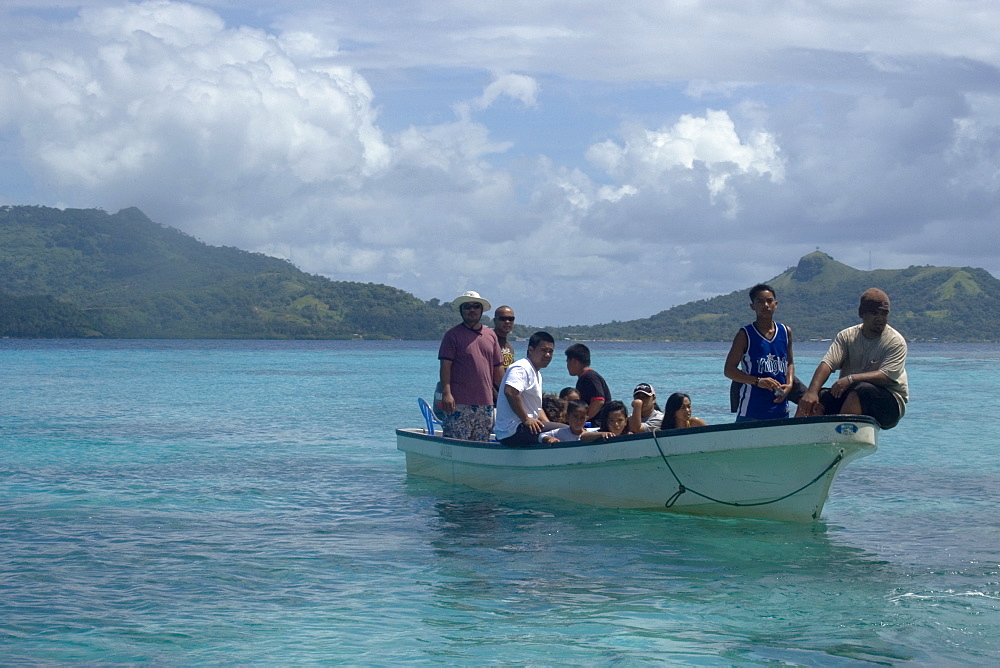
{"points": [[244, 502]]}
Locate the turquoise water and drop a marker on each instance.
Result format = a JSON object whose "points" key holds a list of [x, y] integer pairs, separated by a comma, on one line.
{"points": [[244, 502]]}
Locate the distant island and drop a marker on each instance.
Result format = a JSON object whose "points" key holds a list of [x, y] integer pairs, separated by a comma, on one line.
{"points": [[819, 296], [84, 272], [87, 273]]}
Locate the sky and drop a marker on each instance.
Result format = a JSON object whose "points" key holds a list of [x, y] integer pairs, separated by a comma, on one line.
{"points": [[581, 161]]}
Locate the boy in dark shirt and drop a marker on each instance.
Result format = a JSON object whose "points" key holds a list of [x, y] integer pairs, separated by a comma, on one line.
{"points": [[593, 390]]}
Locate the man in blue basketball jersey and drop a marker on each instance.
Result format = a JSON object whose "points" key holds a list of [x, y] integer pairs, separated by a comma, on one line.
{"points": [[760, 360]]}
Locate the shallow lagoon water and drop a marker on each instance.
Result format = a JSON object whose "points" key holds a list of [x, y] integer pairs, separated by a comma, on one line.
{"points": [[243, 502]]}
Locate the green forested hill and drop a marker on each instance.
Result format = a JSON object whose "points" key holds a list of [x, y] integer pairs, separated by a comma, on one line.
{"points": [[76, 272], [89, 273], [819, 296], [41, 316]]}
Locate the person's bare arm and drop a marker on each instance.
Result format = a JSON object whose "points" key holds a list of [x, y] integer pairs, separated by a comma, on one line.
{"points": [[809, 403], [497, 375], [874, 377], [595, 435], [789, 371], [514, 399], [447, 401], [732, 368], [635, 419]]}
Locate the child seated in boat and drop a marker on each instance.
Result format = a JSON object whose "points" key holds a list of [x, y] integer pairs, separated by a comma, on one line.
{"points": [[554, 407], [569, 393], [576, 418], [677, 413], [646, 413], [614, 417]]}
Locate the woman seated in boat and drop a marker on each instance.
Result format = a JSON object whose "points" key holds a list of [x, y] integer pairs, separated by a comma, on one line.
{"points": [[677, 413]]}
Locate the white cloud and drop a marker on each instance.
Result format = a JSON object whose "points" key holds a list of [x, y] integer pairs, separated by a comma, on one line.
{"points": [[514, 86], [698, 40], [652, 158], [158, 91], [173, 24], [975, 148], [586, 165], [611, 194]]}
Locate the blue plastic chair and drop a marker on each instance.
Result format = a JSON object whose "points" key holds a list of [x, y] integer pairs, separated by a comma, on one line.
{"points": [[428, 415]]}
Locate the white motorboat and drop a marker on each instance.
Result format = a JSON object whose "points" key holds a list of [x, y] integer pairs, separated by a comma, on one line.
{"points": [[775, 469]]}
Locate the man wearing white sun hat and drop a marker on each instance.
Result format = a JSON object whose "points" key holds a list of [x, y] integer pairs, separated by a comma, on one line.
{"points": [[471, 366]]}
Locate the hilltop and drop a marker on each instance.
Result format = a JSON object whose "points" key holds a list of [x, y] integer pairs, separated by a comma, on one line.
{"points": [[819, 296], [85, 272]]}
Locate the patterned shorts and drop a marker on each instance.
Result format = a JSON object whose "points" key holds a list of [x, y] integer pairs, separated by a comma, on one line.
{"points": [[471, 423]]}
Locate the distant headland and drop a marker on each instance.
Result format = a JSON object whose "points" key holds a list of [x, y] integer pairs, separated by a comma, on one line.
{"points": [[87, 273]]}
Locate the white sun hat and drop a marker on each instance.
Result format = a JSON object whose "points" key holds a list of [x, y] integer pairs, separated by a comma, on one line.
{"points": [[470, 296]]}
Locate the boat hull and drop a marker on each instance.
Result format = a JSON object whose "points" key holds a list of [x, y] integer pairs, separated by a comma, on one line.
{"points": [[779, 469]]}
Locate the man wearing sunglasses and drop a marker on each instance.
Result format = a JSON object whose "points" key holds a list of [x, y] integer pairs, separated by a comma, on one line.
{"points": [[503, 323]]}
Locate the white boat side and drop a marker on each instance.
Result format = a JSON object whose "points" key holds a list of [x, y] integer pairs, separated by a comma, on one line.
{"points": [[776, 469]]}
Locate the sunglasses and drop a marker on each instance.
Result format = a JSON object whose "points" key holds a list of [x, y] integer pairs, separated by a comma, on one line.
{"points": [[505, 318]]}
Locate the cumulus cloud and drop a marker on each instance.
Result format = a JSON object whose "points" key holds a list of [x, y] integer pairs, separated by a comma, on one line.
{"points": [[515, 86], [574, 164], [138, 95], [648, 156], [684, 186]]}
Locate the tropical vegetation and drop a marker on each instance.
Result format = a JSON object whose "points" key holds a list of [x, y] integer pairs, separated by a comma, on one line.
{"points": [[85, 272]]}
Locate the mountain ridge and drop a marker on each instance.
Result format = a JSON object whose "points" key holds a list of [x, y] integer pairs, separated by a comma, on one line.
{"points": [[129, 277], [819, 296], [85, 272]]}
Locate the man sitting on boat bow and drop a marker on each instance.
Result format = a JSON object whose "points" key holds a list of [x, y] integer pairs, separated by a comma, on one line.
{"points": [[871, 358]]}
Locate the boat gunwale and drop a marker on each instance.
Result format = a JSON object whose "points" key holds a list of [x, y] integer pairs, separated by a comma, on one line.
{"points": [[420, 433]]}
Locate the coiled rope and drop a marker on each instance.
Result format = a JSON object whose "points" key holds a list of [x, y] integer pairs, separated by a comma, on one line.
{"points": [[681, 488]]}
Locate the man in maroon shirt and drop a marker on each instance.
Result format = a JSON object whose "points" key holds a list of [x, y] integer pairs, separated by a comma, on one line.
{"points": [[471, 365]]}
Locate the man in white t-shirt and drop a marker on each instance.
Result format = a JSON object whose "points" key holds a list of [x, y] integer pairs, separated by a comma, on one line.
{"points": [[520, 418]]}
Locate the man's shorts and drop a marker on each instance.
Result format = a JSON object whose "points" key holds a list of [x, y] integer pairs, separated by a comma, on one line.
{"points": [[877, 402], [523, 437], [471, 423]]}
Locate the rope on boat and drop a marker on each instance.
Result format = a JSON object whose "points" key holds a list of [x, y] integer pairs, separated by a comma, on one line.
{"points": [[681, 488]]}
